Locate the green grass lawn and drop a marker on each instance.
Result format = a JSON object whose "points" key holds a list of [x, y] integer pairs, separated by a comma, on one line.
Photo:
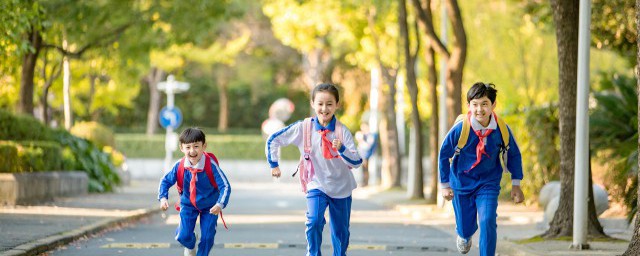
{"points": [[236, 146]]}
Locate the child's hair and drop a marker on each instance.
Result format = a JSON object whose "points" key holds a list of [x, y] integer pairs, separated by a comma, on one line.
{"points": [[191, 135], [480, 89], [326, 87]]}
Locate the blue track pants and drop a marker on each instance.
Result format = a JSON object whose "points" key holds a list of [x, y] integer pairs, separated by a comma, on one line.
{"points": [[479, 207], [340, 214], [185, 234]]}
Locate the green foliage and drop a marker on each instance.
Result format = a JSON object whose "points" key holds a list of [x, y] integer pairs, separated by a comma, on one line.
{"points": [[9, 161], [36, 156], [30, 156], [614, 135], [97, 164], [250, 147], [21, 127], [537, 135], [100, 135]]}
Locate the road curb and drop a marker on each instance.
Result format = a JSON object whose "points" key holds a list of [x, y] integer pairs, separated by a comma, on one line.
{"points": [[51, 242]]}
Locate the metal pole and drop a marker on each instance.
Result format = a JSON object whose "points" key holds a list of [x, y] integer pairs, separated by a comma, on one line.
{"points": [[168, 137], [442, 101], [581, 195], [373, 121], [400, 120]]}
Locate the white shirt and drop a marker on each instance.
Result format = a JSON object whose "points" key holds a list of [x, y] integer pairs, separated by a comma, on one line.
{"points": [[332, 176]]}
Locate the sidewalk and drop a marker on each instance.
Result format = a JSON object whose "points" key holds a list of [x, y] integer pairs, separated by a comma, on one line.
{"points": [[515, 223], [30, 230]]}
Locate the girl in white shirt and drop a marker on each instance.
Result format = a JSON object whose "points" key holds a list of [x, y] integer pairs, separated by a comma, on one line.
{"points": [[330, 181]]}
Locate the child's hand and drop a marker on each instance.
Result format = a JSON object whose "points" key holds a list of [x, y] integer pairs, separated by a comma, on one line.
{"points": [[517, 195], [164, 205], [337, 144], [275, 172], [447, 193], [215, 210]]}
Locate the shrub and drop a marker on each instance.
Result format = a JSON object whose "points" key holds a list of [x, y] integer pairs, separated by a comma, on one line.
{"points": [[9, 161], [97, 165], [21, 127], [37, 156], [95, 132], [249, 147]]}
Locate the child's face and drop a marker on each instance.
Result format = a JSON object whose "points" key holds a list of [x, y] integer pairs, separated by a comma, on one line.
{"points": [[193, 151], [324, 105], [481, 109]]}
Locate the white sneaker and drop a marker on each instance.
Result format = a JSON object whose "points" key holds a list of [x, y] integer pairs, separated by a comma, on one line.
{"points": [[189, 252], [463, 245]]}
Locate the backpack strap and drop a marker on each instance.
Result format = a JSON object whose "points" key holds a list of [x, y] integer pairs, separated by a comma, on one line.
{"points": [[306, 135], [466, 129], [306, 142], [180, 176], [209, 169], [338, 130], [504, 131], [464, 135]]}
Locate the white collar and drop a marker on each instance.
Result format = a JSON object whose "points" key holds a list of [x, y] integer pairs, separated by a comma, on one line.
{"points": [[199, 165], [478, 127]]}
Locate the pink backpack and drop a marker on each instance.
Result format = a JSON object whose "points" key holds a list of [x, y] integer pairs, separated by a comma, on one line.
{"points": [[305, 166]]}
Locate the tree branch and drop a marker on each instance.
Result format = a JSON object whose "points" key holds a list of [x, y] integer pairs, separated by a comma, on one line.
{"points": [[426, 20], [105, 40]]}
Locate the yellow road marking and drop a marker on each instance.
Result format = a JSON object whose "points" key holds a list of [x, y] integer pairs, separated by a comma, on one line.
{"points": [[367, 247], [251, 245], [137, 245]]}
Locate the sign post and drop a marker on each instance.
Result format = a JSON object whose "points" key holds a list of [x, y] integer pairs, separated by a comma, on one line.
{"points": [[170, 117]]}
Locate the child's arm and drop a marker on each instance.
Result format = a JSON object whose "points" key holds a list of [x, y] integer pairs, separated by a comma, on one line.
{"points": [[347, 149], [447, 150], [514, 165], [223, 186], [291, 134], [167, 181]]}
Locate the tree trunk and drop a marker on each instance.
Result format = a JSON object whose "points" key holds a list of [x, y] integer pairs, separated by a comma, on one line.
{"points": [[416, 126], [434, 131], [634, 244], [594, 229], [455, 64], [565, 14], [456, 57], [153, 78], [314, 65], [56, 70], [29, 60], [92, 91], [391, 161], [223, 116]]}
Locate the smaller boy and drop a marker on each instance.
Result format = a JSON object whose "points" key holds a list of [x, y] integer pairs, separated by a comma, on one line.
{"points": [[204, 192], [471, 175]]}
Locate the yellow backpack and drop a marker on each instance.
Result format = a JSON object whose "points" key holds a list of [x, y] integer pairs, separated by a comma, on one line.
{"points": [[464, 136]]}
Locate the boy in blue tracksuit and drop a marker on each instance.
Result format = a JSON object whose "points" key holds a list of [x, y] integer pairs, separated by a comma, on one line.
{"points": [[202, 195], [472, 178]]}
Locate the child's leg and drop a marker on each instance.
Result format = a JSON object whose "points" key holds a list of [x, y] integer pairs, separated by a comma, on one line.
{"points": [[465, 209], [487, 201], [340, 214], [184, 232], [317, 202], [208, 223]]}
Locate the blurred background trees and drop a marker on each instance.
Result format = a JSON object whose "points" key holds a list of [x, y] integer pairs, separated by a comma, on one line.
{"points": [[240, 56]]}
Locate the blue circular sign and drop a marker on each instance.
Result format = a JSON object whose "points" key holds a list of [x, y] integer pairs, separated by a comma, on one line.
{"points": [[170, 117]]}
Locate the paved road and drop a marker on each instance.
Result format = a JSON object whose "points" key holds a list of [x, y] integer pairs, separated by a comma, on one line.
{"points": [[267, 218]]}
